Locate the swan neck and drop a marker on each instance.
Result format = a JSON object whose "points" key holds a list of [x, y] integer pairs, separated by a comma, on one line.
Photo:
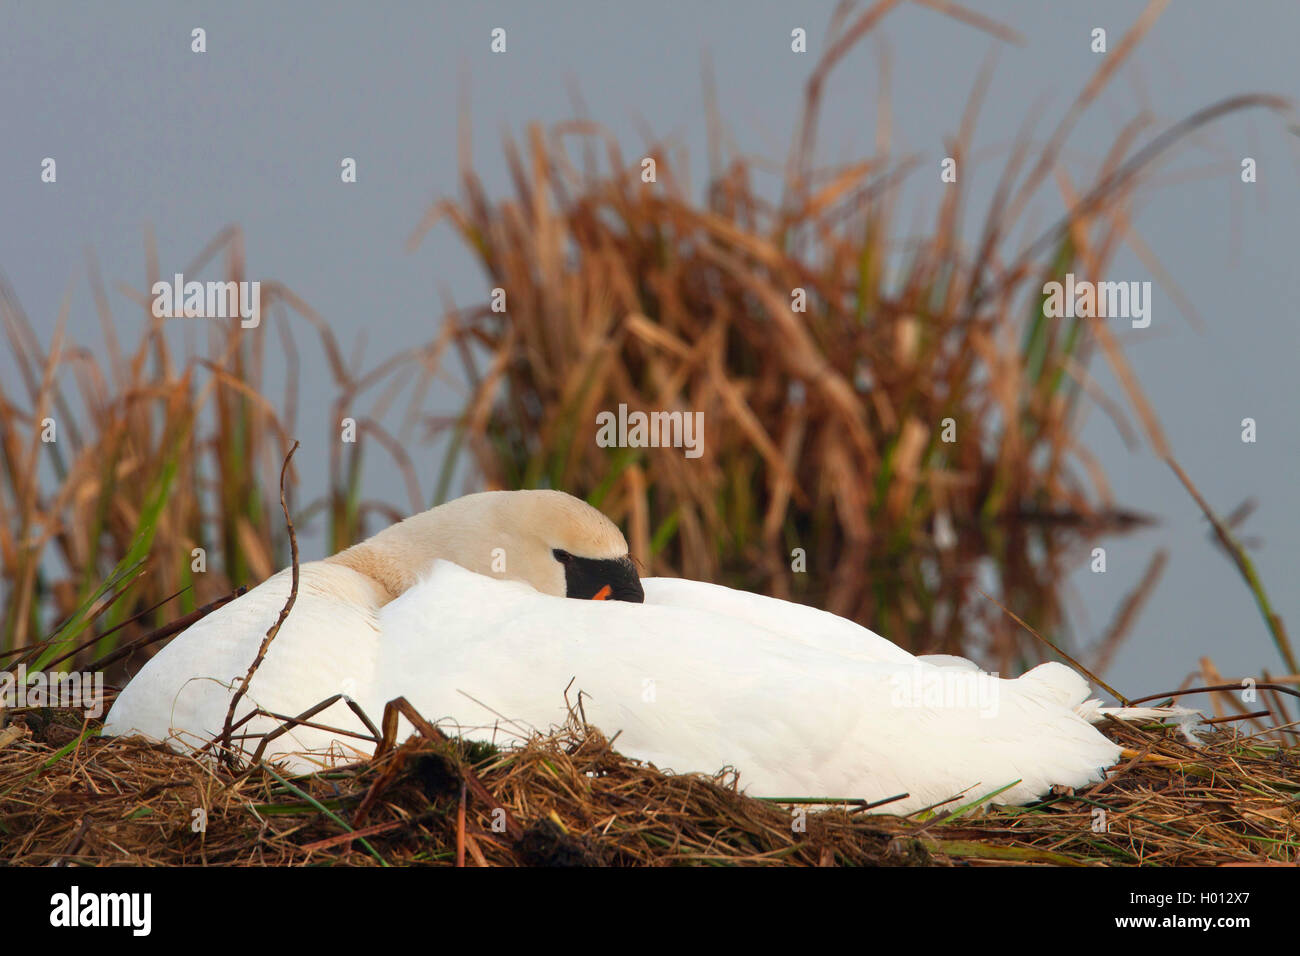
{"points": [[397, 557], [368, 560]]}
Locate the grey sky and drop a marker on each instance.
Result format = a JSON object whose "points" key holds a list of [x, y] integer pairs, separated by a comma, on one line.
{"points": [[144, 131]]}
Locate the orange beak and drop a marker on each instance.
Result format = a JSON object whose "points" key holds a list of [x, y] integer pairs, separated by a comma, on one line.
{"points": [[603, 593]]}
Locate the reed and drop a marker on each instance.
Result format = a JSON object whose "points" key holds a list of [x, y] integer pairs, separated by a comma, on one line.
{"points": [[828, 351], [150, 501]]}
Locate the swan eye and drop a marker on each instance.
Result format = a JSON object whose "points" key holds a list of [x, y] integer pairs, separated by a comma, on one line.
{"points": [[561, 555]]}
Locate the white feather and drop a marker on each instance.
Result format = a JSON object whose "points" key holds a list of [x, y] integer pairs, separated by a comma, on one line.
{"points": [[700, 677], [801, 702]]}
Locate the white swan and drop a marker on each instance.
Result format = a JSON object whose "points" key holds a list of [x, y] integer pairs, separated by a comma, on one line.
{"points": [[803, 703], [331, 641]]}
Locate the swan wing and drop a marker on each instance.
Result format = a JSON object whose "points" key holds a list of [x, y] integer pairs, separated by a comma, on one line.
{"points": [[327, 645], [691, 689], [808, 626]]}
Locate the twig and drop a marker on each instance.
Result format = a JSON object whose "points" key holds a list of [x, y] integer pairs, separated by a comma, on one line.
{"points": [[1095, 679], [402, 706], [298, 791], [39, 645], [460, 827], [344, 838], [1232, 717], [78, 838], [1214, 687], [226, 755], [113, 630], [166, 631]]}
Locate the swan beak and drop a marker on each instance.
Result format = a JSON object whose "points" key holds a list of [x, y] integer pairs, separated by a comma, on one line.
{"points": [[603, 579]]}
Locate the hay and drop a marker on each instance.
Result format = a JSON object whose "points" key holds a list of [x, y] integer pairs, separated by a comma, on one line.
{"points": [[72, 798]]}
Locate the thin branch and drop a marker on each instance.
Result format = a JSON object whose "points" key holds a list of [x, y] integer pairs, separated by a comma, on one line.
{"points": [[227, 756]]}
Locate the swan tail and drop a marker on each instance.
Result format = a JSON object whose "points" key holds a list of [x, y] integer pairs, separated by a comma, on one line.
{"points": [[1184, 718]]}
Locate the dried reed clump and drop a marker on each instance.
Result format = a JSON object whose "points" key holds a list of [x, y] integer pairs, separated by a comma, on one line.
{"points": [[163, 449], [828, 352], [70, 798]]}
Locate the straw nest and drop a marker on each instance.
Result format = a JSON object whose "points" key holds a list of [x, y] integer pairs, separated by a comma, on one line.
{"points": [[70, 797]]}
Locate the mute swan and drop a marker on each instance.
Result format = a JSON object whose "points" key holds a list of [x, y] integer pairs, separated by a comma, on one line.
{"points": [[802, 702], [330, 643]]}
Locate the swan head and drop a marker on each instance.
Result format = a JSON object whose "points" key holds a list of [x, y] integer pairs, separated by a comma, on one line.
{"points": [[560, 545], [553, 541]]}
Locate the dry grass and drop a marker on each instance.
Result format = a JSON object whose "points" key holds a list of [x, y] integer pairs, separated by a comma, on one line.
{"points": [[160, 451], [70, 798], [823, 427]]}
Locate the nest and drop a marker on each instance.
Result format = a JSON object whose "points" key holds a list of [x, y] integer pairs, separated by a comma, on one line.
{"points": [[70, 797]]}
